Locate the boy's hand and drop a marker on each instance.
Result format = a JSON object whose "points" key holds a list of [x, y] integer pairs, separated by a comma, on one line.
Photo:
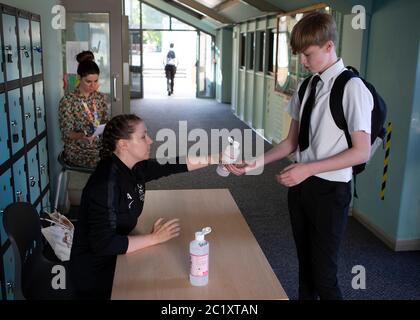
{"points": [[240, 168], [294, 174]]}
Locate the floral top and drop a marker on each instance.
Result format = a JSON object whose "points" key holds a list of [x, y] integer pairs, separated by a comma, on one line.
{"points": [[80, 114]]}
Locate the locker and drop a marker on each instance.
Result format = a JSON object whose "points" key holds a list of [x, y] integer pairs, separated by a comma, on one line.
{"points": [[20, 178], [43, 163], [9, 272], [1, 61], [5, 199], [4, 134], [29, 114], [33, 174], [15, 117], [39, 106], [25, 47], [46, 203], [39, 208], [10, 47], [36, 47]]}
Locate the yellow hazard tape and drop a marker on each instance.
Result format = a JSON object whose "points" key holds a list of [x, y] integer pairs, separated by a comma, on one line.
{"points": [[386, 160]]}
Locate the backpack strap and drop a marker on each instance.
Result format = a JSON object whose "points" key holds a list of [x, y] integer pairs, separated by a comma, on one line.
{"points": [[336, 102], [303, 88], [337, 111]]}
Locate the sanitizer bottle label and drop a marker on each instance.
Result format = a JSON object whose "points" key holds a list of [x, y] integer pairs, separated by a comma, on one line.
{"points": [[199, 265]]}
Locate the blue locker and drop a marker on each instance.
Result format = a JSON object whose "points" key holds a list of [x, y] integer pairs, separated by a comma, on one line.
{"points": [[36, 47], [39, 208], [39, 106], [9, 272], [11, 50], [20, 178], [5, 199], [33, 174], [4, 134], [25, 47], [1, 61], [46, 203], [15, 114], [43, 163], [29, 115]]}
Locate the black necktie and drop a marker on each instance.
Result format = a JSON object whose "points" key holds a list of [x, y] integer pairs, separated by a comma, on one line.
{"points": [[306, 116]]}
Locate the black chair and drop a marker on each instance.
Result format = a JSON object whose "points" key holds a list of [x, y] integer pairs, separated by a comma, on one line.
{"points": [[66, 167], [33, 272]]}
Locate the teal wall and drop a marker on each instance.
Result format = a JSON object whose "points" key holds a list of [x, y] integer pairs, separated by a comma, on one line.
{"points": [[53, 74], [393, 66]]}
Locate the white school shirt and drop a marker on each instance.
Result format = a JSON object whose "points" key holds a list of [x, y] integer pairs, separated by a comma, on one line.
{"points": [[325, 138]]}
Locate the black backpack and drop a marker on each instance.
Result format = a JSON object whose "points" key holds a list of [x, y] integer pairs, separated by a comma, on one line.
{"points": [[336, 105]]}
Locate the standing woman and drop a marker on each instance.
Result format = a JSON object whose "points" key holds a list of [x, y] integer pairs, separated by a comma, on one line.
{"points": [[80, 113], [112, 201]]}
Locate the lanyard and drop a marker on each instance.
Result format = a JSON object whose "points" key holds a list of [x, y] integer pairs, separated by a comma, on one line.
{"points": [[92, 117]]}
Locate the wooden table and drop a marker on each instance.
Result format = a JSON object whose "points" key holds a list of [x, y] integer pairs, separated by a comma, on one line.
{"points": [[238, 268]]}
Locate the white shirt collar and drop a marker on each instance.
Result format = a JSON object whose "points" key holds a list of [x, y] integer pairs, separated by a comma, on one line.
{"points": [[332, 71]]}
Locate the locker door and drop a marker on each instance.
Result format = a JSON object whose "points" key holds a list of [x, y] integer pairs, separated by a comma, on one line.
{"points": [[43, 163], [11, 49], [15, 120], [34, 190], [19, 176], [36, 47], [25, 47], [4, 133], [5, 199], [1, 61], [9, 272], [28, 103], [39, 106], [46, 203]]}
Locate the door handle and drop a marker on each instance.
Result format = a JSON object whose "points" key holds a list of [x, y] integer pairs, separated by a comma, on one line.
{"points": [[114, 88]]}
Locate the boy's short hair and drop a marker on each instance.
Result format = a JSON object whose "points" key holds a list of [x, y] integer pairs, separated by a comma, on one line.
{"points": [[316, 28]]}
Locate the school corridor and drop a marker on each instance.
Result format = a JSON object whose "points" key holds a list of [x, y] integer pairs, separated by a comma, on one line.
{"points": [[235, 75]]}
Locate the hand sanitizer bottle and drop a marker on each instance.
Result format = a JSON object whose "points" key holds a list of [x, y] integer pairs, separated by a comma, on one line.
{"points": [[230, 155], [199, 256]]}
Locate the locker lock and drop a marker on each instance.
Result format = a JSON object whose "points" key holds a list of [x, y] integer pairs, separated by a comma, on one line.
{"points": [[25, 51], [38, 112], [42, 167], [19, 196], [38, 49], [10, 287], [27, 116], [32, 181], [15, 132], [9, 53]]}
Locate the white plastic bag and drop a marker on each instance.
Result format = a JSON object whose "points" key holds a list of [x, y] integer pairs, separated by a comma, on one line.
{"points": [[59, 235]]}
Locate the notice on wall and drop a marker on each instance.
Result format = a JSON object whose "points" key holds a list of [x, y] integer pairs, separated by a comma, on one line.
{"points": [[72, 49]]}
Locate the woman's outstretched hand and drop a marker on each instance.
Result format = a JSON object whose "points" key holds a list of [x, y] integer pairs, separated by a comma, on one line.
{"points": [[165, 230]]}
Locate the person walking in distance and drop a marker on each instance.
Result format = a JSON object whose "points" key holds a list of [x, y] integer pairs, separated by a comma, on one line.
{"points": [[170, 69]]}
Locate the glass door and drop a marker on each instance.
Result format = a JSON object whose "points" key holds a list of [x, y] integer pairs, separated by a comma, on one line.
{"points": [[135, 56], [87, 31], [205, 66]]}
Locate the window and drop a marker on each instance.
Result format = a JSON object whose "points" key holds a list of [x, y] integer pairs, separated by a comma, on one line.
{"points": [[178, 25], [242, 49], [260, 41], [272, 39], [153, 19], [251, 50]]}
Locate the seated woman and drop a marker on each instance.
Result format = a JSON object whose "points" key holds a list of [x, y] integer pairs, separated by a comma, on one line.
{"points": [[112, 201], [80, 113]]}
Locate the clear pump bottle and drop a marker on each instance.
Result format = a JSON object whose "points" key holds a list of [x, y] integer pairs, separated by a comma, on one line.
{"points": [[199, 258], [230, 155]]}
